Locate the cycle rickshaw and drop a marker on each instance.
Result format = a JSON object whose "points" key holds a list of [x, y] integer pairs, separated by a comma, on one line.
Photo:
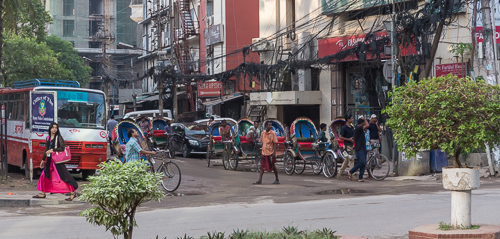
{"points": [[245, 150], [217, 146], [305, 150], [158, 132]]}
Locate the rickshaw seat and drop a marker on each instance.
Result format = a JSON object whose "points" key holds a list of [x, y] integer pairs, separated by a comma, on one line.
{"points": [[305, 144], [217, 138], [281, 139], [159, 133], [243, 140]]}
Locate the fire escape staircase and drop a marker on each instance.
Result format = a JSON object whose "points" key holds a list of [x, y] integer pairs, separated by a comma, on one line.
{"points": [[187, 29], [257, 113]]}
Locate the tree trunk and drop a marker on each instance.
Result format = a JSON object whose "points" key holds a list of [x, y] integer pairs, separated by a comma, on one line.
{"points": [[456, 161], [1, 38]]}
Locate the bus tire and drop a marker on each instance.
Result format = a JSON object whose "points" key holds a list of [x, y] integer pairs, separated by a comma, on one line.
{"points": [[87, 173]]}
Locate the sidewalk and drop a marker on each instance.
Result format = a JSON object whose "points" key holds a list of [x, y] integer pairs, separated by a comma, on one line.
{"points": [[25, 198]]}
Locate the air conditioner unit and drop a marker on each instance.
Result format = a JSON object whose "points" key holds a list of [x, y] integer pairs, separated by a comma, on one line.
{"points": [[196, 66], [167, 41], [210, 20], [178, 33], [261, 44]]}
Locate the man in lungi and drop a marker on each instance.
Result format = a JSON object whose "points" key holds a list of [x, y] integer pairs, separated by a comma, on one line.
{"points": [[268, 158]]}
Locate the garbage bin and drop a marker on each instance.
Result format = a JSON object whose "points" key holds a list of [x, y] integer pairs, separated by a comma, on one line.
{"points": [[439, 159], [414, 166]]}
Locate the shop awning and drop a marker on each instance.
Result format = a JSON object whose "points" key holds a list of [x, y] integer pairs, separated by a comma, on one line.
{"points": [[224, 99]]}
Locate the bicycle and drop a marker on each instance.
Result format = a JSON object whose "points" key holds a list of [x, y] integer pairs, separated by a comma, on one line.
{"points": [[378, 165], [171, 178]]}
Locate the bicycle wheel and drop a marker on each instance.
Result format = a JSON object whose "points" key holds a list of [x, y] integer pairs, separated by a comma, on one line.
{"points": [[299, 166], [288, 163], [225, 158], [316, 164], [151, 166], [329, 165], [171, 178], [171, 152], [209, 154], [379, 167], [233, 160]]}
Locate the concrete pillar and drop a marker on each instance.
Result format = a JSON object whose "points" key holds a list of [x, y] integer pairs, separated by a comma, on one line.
{"points": [[325, 86], [272, 111], [461, 208]]}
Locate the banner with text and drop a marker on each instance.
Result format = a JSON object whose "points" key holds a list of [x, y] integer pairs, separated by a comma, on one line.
{"points": [[209, 89], [42, 110], [456, 69]]}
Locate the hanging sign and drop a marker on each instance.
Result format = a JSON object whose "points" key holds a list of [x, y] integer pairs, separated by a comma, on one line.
{"points": [[456, 69], [42, 110], [209, 89]]}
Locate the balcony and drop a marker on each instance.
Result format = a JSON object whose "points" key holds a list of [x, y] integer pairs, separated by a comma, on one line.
{"points": [[286, 98]]}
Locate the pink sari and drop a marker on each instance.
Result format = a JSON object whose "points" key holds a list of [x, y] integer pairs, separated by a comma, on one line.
{"points": [[54, 184]]}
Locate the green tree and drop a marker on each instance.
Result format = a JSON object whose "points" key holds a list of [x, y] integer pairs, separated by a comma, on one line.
{"points": [[32, 20], [25, 59], [117, 192], [69, 58], [447, 113]]}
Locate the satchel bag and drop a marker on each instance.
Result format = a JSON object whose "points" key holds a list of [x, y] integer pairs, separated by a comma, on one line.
{"points": [[62, 157]]}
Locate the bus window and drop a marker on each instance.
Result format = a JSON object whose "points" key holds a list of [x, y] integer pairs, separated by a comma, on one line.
{"points": [[20, 114], [80, 109]]}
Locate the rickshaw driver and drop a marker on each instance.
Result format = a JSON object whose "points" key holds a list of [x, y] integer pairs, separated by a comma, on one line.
{"points": [[322, 137], [144, 125], [225, 131]]}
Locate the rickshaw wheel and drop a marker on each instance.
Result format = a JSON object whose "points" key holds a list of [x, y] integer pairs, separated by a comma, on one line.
{"points": [[288, 163], [233, 160], [225, 158], [299, 166], [208, 158], [329, 165]]}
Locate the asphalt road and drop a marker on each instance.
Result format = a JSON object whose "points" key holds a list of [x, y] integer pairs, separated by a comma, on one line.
{"points": [[216, 199]]}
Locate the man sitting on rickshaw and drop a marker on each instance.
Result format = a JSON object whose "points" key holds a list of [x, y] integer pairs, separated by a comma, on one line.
{"points": [[322, 137], [225, 131], [144, 125], [253, 133]]}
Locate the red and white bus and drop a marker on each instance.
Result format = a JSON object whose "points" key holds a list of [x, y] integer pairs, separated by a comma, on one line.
{"points": [[80, 113]]}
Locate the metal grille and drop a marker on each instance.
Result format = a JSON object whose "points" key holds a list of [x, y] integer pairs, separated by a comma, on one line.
{"points": [[75, 159], [74, 145]]}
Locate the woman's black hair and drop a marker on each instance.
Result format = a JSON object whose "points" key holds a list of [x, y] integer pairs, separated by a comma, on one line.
{"points": [[50, 127]]}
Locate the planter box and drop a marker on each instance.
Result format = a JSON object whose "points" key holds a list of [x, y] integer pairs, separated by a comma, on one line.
{"points": [[414, 166], [461, 179]]}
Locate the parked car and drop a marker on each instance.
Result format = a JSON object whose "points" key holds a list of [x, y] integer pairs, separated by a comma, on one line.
{"points": [[190, 138], [148, 113]]}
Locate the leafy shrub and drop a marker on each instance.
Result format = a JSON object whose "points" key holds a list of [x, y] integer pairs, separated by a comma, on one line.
{"points": [[117, 192]]}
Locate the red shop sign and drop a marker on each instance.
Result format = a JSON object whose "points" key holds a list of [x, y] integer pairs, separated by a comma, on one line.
{"points": [[456, 69], [480, 37], [209, 89], [330, 46]]}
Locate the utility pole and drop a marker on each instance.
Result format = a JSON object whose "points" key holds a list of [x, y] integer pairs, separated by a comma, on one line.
{"points": [[134, 95], [435, 44], [159, 39], [489, 56], [174, 82]]}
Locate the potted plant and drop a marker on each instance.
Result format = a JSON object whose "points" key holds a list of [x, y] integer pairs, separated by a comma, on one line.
{"points": [[452, 114]]}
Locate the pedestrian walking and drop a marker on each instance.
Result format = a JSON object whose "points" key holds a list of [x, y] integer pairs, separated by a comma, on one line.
{"points": [[360, 148], [268, 158], [287, 131], [111, 125], [375, 132], [347, 135], [133, 149], [55, 178]]}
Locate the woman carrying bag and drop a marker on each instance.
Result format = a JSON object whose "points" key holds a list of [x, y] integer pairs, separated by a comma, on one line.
{"points": [[55, 176]]}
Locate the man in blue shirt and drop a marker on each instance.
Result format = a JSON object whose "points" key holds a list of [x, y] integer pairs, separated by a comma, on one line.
{"points": [[375, 132], [133, 149], [111, 125]]}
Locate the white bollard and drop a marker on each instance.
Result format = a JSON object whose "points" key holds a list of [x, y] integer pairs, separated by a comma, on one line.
{"points": [[461, 208]]}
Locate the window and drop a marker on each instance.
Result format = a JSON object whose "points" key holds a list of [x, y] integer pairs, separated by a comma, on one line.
{"points": [[68, 28], [210, 8], [94, 44], [93, 28], [69, 7], [96, 7]]}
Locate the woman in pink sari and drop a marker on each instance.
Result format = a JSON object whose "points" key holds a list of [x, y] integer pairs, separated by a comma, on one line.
{"points": [[55, 178]]}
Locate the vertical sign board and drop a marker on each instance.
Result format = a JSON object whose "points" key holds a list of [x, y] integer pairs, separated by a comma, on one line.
{"points": [[43, 110], [3, 145]]}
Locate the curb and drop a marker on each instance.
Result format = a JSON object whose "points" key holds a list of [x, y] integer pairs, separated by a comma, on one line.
{"points": [[16, 202]]}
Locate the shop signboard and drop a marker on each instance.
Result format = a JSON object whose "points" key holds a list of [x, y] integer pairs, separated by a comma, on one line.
{"points": [[330, 46], [456, 69], [210, 89], [479, 21], [42, 110], [213, 34]]}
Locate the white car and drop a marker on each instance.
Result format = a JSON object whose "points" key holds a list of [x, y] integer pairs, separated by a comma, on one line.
{"points": [[151, 114]]}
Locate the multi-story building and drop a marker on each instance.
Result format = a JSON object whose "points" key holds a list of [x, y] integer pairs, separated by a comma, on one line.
{"points": [[308, 30], [95, 27]]}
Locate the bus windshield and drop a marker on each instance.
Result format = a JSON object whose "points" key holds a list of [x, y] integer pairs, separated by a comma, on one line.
{"points": [[80, 109]]}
